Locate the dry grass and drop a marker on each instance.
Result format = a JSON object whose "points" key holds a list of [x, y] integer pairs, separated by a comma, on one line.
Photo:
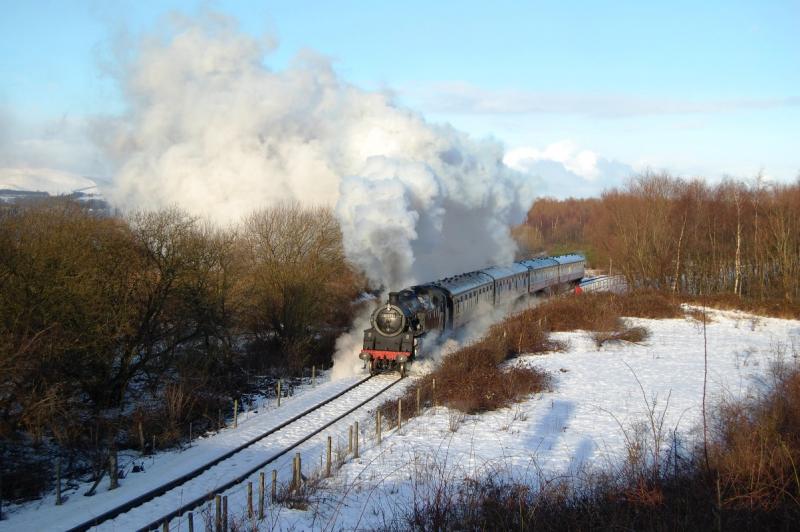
{"points": [[634, 335], [756, 448], [698, 315], [601, 311], [776, 308], [299, 497]]}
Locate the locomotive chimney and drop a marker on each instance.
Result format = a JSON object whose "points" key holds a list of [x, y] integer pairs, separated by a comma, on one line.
{"points": [[393, 298]]}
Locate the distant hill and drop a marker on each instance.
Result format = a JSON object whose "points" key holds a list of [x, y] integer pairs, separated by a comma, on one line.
{"points": [[19, 185]]}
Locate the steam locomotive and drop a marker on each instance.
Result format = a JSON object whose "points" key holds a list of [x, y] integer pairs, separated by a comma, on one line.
{"points": [[398, 328]]}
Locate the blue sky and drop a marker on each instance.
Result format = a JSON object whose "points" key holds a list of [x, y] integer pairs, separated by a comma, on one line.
{"points": [[696, 88]]}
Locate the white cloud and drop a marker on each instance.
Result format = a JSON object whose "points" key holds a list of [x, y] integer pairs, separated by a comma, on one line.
{"points": [[580, 162], [565, 170], [464, 98]]}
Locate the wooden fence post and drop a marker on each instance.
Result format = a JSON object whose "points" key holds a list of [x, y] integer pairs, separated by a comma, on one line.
{"points": [[399, 413], [190, 517], [261, 495], [298, 471], [249, 500], [279, 392], [235, 413], [378, 423], [355, 449], [274, 485], [313, 375], [418, 390], [328, 461], [350, 439], [113, 481], [433, 392], [218, 513], [294, 472], [225, 513]]}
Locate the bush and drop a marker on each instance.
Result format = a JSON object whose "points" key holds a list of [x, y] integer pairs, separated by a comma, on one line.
{"points": [[755, 451], [601, 311], [107, 322]]}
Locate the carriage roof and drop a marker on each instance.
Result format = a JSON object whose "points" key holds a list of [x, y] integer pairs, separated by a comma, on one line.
{"points": [[501, 272], [464, 282], [569, 259], [538, 264]]}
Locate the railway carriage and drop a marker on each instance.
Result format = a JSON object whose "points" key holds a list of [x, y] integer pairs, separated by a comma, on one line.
{"points": [[510, 282]]}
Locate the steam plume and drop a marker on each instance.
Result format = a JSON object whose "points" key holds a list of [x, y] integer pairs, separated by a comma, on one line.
{"points": [[209, 127]]}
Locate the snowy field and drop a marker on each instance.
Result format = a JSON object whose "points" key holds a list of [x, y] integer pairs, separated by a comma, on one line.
{"points": [[598, 395], [580, 423]]}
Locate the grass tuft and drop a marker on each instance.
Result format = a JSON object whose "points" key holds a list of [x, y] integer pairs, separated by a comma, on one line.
{"points": [[634, 335]]}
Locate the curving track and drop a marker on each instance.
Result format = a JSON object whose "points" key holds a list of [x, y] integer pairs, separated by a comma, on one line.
{"points": [[199, 485]]}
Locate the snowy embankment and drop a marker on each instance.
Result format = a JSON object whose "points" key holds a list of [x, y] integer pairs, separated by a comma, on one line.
{"points": [[599, 396], [165, 466]]}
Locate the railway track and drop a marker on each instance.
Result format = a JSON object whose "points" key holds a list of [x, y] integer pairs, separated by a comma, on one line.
{"points": [[196, 487]]}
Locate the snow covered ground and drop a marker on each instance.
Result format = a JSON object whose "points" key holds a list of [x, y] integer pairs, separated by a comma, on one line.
{"points": [[598, 395], [54, 182], [596, 399]]}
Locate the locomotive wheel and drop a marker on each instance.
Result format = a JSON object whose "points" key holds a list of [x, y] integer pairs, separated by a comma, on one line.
{"points": [[373, 367]]}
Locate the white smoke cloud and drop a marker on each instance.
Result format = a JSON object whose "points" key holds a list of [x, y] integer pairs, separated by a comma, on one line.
{"points": [[209, 127]]}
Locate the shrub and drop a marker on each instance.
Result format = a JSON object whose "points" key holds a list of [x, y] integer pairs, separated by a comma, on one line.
{"points": [[755, 451], [628, 334], [776, 308], [601, 311]]}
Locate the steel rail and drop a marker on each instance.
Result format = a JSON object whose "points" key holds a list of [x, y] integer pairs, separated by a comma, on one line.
{"points": [[242, 477], [160, 490]]}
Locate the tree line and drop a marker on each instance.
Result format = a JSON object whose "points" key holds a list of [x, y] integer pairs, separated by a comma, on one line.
{"points": [[108, 322], [687, 236]]}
